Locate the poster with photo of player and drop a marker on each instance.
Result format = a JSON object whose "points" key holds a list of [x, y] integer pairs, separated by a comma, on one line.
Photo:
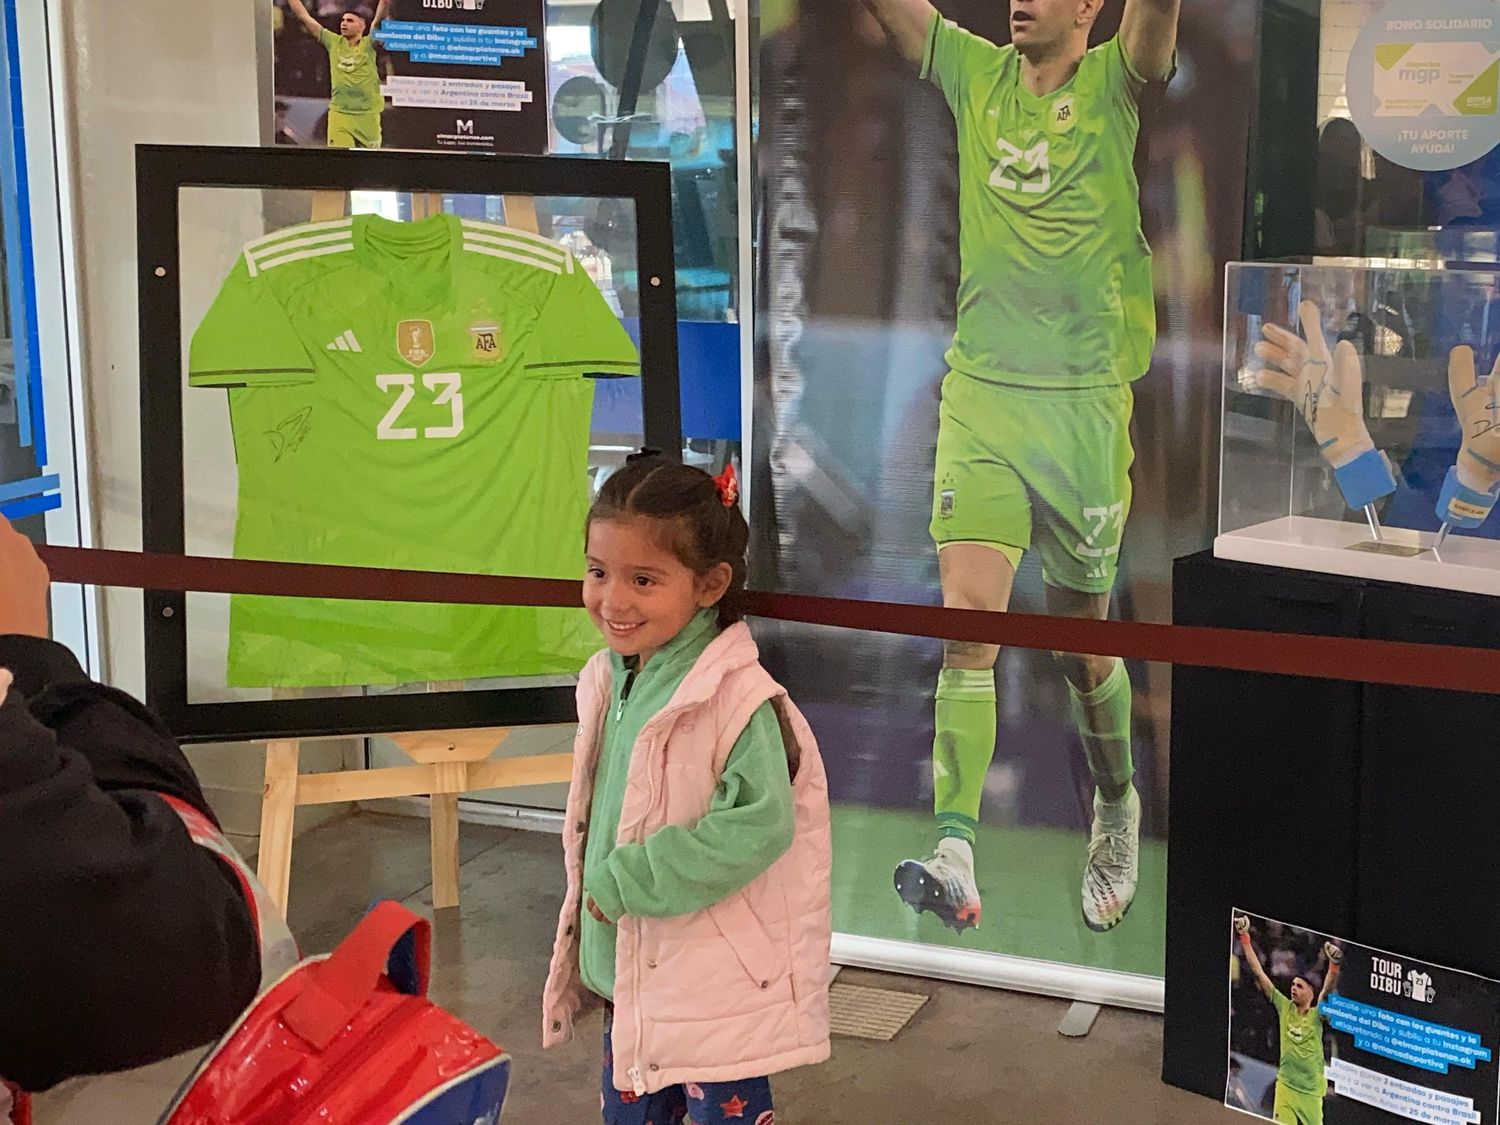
{"points": [[1325, 1031], [1012, 410], [446, 75]]}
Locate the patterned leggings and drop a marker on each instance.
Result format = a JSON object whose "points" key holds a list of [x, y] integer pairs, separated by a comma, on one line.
{"points": [[710, 1103]]}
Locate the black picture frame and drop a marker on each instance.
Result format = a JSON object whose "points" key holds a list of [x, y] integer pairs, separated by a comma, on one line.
{"points": [[162, 172]]}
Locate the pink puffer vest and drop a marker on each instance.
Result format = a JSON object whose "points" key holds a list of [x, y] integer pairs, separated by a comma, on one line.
{"points": [[739, 990]]}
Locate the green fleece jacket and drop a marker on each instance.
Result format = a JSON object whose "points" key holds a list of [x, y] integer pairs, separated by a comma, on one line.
{"points": [[678, 870]]}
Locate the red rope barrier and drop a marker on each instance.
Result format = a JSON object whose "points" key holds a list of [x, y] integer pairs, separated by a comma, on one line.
{"points": [[1335, 658]]}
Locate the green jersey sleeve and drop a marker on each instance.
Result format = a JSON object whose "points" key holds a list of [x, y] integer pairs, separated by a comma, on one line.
{"points": [[1123, 80], [329, 39], [954, 57], [247, 340], [748, 826], [578, 333]]}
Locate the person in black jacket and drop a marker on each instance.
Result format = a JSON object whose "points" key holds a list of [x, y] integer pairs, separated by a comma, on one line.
{"points": [[122, 941]]}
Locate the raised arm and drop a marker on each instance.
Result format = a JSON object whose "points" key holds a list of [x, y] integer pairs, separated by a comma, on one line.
{"points": [[381, 9], [1242, 927], [907, 23], [1335, 957], [1148, 32], [304, 17]]}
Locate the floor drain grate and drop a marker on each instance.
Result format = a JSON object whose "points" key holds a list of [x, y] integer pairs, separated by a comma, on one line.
{"points": [[871, 1013]]}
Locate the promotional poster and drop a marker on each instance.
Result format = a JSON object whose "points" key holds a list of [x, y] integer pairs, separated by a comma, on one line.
{"points": [[1060, 466], [450, 75], [1423, 80], [1322, 1029]]}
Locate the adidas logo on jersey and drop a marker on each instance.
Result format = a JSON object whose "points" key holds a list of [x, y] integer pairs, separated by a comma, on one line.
{"points": [[345, 343]]}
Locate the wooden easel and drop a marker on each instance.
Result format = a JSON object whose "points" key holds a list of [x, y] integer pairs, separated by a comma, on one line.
{"points": [[447, 764]]}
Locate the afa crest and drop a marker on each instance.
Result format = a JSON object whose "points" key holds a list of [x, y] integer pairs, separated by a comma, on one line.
{"points": [[485, 343], [1064, 113]]}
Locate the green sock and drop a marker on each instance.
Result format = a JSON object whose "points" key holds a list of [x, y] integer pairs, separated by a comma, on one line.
{"points": [[963, 748], [1103, 718]]}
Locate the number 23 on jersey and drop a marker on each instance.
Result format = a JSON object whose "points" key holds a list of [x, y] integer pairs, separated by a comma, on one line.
{"points": [[446, 388]]}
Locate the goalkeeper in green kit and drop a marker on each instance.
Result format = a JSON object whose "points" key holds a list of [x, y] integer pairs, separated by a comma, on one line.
{"points": [[355, 102], [1301, 1074], [1056, 319]]}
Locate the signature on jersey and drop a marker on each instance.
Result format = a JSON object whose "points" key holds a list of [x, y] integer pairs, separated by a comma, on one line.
{"points": [[289, 436]]}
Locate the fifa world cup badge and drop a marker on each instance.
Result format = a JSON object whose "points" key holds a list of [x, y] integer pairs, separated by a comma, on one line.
{"points": [[945, 503], [414, 340]]}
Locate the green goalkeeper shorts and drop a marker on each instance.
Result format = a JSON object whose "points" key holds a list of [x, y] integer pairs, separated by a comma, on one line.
{"points": [[353, 130], [1293, 1107], [1019, 467]]}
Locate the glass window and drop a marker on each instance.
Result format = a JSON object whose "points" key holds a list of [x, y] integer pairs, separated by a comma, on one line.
{"points": [[39, 490], [26, 491], [681, 110], [1370, 206]]}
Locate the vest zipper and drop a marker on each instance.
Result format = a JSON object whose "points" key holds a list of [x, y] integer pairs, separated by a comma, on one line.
{"points": [[640, 1018], [634, 1073]]}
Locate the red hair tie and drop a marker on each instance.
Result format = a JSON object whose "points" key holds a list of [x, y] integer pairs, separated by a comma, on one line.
{"points": [[728, 485]]}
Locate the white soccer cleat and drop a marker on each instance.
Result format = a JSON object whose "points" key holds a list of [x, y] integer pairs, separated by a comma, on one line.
{"points": [[1114, 865], [943, 883]]}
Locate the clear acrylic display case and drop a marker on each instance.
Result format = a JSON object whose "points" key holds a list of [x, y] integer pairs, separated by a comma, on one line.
{"points": [[1358, 416]]}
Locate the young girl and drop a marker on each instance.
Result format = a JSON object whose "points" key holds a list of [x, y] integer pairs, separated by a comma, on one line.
{"points": [[697, 833]]}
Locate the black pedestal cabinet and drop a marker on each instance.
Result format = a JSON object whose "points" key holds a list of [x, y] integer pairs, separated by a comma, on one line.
{"points": [[1360, 810]]}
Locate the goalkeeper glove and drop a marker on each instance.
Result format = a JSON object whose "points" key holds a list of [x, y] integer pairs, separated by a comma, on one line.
{"points": [[1473, 483], [1334, 954], [1328, 390]]}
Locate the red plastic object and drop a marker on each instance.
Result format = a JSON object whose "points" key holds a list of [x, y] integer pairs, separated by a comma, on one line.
{"points": [[338, 1043]]}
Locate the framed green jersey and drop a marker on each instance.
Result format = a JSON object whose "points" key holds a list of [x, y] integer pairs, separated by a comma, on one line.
{"points": [[384, 394], [409, 395], [1055, 285]]}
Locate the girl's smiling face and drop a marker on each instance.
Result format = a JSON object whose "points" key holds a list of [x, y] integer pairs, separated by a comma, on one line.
{"points": [[637, 591]]}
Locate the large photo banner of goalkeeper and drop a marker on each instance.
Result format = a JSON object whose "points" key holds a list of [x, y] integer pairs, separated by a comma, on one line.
{"points": [[1325, 1031], [991, 251]]}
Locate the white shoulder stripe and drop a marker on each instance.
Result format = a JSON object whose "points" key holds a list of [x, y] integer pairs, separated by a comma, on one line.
{"points": [[277, 250], [553, 254], [302, 229], [511, 255], [525, 249], [474, 227], [258, 266]]}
